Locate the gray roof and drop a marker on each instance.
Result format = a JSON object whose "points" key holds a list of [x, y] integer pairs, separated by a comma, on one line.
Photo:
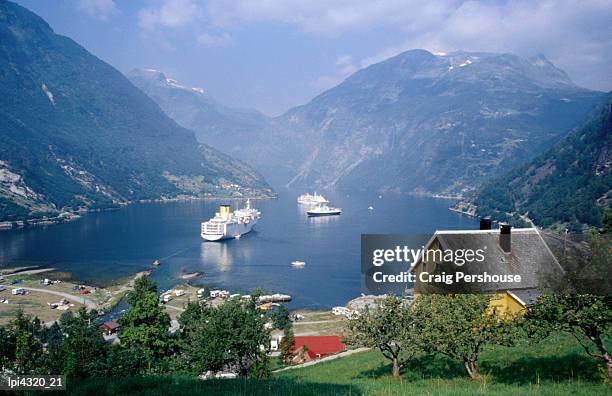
{"points": [[530, 258], [527, 297]]}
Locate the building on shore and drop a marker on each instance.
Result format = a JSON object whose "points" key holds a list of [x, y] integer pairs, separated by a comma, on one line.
{"points": [[507, 253], [109, 328]]}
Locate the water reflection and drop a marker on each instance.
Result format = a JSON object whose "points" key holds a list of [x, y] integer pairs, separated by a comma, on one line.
{"points": [[216, 254], [111, 245]]}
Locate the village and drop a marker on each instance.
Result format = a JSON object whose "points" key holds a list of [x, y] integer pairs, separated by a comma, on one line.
{"points": [[318, 333]]}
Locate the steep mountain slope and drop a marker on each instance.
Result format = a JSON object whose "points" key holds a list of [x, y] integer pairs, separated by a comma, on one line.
{"points": [[420, 122], [570, 183], [245, 134], [75, 133]]}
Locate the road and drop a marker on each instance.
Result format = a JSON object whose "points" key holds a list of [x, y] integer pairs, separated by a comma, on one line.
{"points": [[325, 359], [78, 299], [316, 322]]}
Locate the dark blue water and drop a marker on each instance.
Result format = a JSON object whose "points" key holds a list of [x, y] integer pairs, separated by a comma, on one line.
{"points": [[101, 247]]}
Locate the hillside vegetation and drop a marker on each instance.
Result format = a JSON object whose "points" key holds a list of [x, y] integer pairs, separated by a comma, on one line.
{"points": [[570, 183], [554, 367], [75, 133]]}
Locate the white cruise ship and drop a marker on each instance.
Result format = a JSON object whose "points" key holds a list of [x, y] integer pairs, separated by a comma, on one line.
{"points": [[324, 210], [310, 199], [226, 225]]}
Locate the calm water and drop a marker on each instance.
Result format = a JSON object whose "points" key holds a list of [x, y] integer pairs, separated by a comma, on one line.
{"points": [[101, 247]]}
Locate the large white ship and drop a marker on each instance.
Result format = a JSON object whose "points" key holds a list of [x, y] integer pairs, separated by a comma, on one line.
{"points": [[324, 210], [311, 199], [226, 225]]}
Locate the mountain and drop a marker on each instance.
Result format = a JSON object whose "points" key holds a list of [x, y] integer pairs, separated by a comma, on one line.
{"points": [[75, 133], [425, 123], [570, 183], [416, 123], [241, 133]]}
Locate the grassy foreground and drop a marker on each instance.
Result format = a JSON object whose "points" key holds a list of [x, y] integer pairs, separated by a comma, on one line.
{"points": [[554, 367]]}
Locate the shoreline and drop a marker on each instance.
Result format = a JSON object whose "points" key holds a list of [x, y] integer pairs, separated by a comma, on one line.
{"points": [[45, 286], [69, 216]]}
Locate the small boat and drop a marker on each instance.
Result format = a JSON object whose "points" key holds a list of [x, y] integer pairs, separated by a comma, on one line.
{"points": [[324, 210], [370, 208], [298, 263], [156, 263]]}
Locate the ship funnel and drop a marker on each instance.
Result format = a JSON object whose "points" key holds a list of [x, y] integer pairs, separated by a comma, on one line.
{"points": [[225, 210]]}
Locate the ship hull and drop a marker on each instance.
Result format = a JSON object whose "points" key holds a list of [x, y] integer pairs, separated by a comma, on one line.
{"points": [[232, 231], [315, 214]]}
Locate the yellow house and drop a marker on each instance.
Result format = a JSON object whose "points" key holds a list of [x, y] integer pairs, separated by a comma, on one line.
{"points": [[508, 255]]}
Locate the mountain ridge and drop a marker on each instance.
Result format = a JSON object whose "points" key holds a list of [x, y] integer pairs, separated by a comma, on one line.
{"points": [[78, 135], [433, 116], [569, 185], [415, 123]]}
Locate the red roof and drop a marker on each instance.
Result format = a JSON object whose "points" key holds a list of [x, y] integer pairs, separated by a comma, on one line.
{"points": [[319, 346], [111, 324]]}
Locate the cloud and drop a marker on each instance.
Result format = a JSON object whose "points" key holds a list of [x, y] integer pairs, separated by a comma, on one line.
{"points": [[576, 36], [325, 17], [99, 9], [169, 14], [215, 40]]}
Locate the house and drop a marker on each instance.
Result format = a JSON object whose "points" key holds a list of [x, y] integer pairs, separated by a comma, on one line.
{"points": [[507, 253], [110, 327], [306, 348]]}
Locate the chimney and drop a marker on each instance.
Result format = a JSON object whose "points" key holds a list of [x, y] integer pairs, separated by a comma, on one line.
{"points": [[505, 237], [485, 223]]}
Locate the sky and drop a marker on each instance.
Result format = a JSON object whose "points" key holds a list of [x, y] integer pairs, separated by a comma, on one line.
{"points": [[272, 55]]}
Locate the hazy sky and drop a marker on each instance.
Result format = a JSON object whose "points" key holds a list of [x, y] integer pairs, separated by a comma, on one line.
{"points": [[274, 54]]}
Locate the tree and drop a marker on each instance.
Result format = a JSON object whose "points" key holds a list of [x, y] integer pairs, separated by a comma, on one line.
{"points": [[586, 317], [280, 317], [286, 345], [459, 326], [145, 324], [392, 328], [7, 348], [82, 349], [230, 336], [28, 349]]}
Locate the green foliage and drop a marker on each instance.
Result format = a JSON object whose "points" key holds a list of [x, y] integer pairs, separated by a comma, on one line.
{"points": [[460, 326], [230, 336], [280, 317], [286, 346], [553, 367], [392, 328], [82, 349], [587, 317], [563, 185], [145, 324], [100, 140], [28, 348]]}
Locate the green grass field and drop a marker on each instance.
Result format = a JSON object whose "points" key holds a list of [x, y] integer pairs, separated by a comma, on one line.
{"points": [[554, 367]]}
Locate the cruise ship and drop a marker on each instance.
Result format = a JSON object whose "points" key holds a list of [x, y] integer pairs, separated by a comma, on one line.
{"points": [[312, 199], [324, 210], [227, 225]]}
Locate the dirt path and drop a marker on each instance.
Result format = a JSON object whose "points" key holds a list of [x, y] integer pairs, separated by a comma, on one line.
{"points": [[175, 308], [325, 359], [81, 300], [316, 322]]}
